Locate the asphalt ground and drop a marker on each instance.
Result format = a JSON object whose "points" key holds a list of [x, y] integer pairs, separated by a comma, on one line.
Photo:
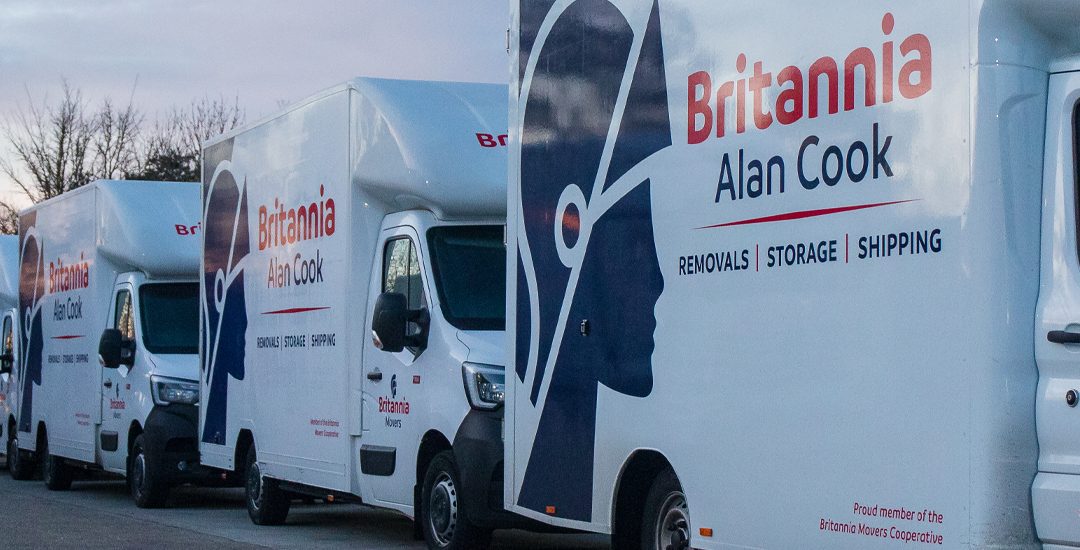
{"points": [[100, 514]]}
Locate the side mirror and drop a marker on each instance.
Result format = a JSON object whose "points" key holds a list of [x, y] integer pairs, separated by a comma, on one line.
{"points": [[6, 361], [113, 351], [390, 323]]}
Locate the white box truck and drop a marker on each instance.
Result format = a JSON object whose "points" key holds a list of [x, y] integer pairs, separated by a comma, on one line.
{"points": [[9, 351], [108, 313], [353, 304], [796, 275]]}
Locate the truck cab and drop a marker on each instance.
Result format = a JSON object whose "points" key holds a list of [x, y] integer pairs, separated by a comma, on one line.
{"points": [[150, 388], [9, 352], [435, 358], [8, 381]]}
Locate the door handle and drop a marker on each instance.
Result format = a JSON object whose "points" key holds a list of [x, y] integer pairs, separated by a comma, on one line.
{"points": [[376, 376], [108, 383], [1063, 337]]}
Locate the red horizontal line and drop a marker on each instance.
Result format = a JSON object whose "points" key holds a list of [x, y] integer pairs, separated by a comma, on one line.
{"points": [[69, 337], [294, 310], [805, 214]]}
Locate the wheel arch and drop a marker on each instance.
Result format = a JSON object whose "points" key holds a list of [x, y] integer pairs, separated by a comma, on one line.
{"points": [[134, 430], [433, 443], [42, 435], [631, 488], [245, 440]]}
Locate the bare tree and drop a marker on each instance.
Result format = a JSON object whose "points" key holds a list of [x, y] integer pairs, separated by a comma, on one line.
{"points": [[173, 149], [60, 146], [115, 140], [208, 118], [163, 156], [51, 145], [9, 219]]}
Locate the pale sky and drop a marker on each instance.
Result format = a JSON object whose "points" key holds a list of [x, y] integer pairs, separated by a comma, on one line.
{"points": [[264, 51]]}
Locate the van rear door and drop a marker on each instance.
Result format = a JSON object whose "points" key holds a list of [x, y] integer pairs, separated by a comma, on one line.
{"points": [[1056, 491]]}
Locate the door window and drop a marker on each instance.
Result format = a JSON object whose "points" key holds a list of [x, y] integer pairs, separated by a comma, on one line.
{"points": [[9, 336], [1076, 164], [8, 343], [401, 271], [125, 316]]}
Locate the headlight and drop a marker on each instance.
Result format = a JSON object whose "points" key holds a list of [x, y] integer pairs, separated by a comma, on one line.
{"points": [[172, 390], [485, 385]]}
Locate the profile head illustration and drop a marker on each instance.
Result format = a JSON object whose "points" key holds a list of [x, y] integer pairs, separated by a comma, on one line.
{"points": [[224, 311], [595, 107], [31, 296]]}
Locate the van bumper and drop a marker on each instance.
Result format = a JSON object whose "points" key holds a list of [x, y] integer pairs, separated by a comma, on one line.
{"points": [[1055, 498], [478, 450], [171, 440]]}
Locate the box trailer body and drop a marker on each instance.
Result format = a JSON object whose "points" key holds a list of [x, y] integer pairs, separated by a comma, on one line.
{"points": [[311, 215], [811, 272], [9, 350], [116, 257]]}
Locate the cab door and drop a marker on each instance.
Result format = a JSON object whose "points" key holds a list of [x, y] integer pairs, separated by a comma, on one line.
{"points": [[392, 419], [1056, 491], [115, 385], [8, 370]]}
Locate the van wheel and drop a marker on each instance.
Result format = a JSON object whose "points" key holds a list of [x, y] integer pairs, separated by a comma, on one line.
{"points": [[19, 464], [667, 517], [267, 504], [146, 489], [56, 473], [444, 517]]}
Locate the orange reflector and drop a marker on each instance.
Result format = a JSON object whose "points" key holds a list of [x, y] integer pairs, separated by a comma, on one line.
{"points": [[549, 510], [705, 531], [329, 498]]}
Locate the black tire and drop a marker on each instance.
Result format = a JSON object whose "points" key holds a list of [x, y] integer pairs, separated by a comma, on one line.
{"points": [[666, 522], [20, 466], [266, 503], [56, 473], [444, 516], [7, 454], [147, 490]]}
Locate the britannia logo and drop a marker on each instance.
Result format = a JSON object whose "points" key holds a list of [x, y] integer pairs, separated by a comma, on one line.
{"points": [[393, 387]]}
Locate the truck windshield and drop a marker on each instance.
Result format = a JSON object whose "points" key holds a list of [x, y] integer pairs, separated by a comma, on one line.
{"points": [[469, 268], [170, 317]]}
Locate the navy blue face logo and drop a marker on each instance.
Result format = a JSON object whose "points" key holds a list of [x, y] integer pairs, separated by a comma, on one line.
{"points": [[393, 386], [224, 312], [31, 297], [588, 276]]}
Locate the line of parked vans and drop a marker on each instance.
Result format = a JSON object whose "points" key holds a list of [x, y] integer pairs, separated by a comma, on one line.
{"points": [[713, 287], [322, 317]]}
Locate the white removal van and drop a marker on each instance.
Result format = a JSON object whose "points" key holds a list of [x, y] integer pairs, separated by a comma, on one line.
{"points": [[353, 304], [796, 275], [108, 306], [9, 351]]}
